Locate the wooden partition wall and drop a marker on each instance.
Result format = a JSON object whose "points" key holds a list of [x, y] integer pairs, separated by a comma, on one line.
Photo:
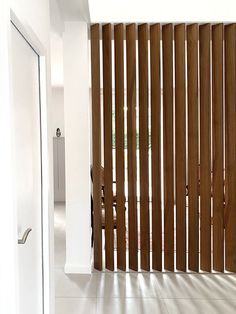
{"points": [[164, 129]]}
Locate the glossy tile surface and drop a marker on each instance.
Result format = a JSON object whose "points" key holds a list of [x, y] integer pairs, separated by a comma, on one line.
{"points": [[138, 293]]}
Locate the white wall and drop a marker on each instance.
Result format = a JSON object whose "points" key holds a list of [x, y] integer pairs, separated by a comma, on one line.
{"points": [[57, 101], [35, 14], [77, 147], [57, 78]]}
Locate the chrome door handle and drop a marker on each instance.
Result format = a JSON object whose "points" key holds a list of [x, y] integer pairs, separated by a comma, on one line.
{"points": [[25, 236]]}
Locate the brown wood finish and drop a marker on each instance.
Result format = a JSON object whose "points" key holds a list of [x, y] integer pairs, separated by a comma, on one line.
{"points": [[218, 149], [119, 125], [143, 145], [96, 132], [186, 147], [156, 146], [205, 147], [107, 106], [180, 146], [230, 114], [131, 128], [167, 41], [193, 210]]}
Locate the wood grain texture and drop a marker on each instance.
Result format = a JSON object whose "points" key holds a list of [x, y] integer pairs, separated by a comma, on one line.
{"points": [[107, 106], [156, 146], [205, 147], [180, 146], [218, 148], [143, 145], [167, 41], [230, 114], [119, 125], [96, 145], [131, 130], [193, 209]]}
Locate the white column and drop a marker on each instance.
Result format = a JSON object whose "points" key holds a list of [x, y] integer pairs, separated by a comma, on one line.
{"points": [[77, 147]]}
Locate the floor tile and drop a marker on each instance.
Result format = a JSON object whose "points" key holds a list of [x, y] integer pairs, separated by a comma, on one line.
{"points": [[197, 286], [186, 306], [148, 285], [138, 293], [75, 306], [118, 285], [75, 285], [152, 305], [117, 306]]}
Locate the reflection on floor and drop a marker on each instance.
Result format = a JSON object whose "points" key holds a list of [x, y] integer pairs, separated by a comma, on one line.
{"points": [[139, 293]]}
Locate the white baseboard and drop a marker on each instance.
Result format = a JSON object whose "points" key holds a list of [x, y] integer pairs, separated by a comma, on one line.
{"points": [[77, 269]]}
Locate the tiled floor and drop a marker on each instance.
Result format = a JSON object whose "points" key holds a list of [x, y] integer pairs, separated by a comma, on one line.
{"points": [[138, 293]]}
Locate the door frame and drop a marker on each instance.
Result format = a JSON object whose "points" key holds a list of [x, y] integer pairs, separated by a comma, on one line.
{"points": [[8, 223], [35, 43]]}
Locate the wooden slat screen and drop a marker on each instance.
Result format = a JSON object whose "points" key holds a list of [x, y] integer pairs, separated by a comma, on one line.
{"points": [[230, 162], [143, 145], [168, 173], [217, 144], [156, 146], [96, 133], [119, 124], [193, 170], [107, 108], [132, 142], [205, 147], [166, 199], [180, 146]]}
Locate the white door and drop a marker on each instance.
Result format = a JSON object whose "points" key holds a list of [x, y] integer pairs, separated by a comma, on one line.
{"points": [[27, 155]]}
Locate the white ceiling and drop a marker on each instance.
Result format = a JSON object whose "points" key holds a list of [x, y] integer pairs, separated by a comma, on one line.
{"points": [[146, 10], [162, 10]]}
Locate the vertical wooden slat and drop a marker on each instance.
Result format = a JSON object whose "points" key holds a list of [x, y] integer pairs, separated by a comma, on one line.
{"points": [[156, 146], [167, 40], [131, 128], [217, 138], [96, 143], [205, 147], [107, 99], [193, 212], [119, 125], [180, 146], [230, 113], [143, 145]]}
